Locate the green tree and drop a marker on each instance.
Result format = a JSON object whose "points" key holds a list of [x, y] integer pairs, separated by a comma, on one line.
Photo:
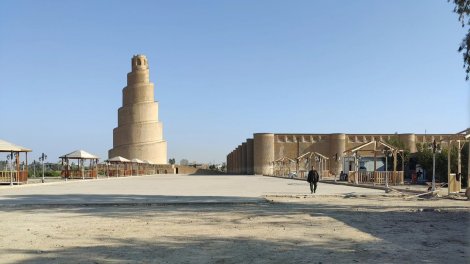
{"points": [[424, 158], [462, 8], [465, 164], [397, 143]]}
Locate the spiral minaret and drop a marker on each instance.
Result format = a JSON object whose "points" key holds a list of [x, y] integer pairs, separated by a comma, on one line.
{"points": [[139, 133]]}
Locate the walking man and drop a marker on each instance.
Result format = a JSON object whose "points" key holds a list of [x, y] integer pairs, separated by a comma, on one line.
{"points": [[313, 178]]}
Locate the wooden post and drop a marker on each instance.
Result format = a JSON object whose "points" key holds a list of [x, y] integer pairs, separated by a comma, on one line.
{"points": [[394, 160], [322, 167], [297, 166], [17, 167], [403, 162], [356, 165], [375, 156], [459, 163], [11, 168], [27, 176], [468, 166], [298, 146], [394, 173]]}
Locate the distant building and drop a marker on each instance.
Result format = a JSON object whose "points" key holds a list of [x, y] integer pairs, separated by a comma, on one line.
{"points": [[256, 155]]}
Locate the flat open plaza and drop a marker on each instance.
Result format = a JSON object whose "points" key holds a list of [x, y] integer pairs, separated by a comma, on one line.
{"points": [[166, 189], [225, 219]]}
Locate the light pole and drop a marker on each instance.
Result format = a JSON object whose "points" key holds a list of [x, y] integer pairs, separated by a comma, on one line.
{"points": [[42, 159], [34, 168], [435, 148], [10, 157]]}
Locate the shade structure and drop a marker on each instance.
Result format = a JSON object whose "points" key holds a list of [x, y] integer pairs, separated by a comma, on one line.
{"points": [[305, 162], [377, 148], [6, 146], [81, 172], [120, 167], [137, 161], [79, 154], [118, 159], [15, 174]]}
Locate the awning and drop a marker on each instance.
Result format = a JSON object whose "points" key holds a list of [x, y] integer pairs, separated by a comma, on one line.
{"points": [[79, 154], [118, 159], [6, 146]]}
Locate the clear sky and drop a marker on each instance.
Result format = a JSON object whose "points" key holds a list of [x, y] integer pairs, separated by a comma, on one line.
{"points": [[224, 70]]}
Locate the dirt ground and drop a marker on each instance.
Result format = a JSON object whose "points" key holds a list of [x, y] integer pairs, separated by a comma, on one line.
{"points": [[350, 229]]}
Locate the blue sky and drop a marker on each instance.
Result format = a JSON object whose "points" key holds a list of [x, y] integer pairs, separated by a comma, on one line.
{"points": [[224, 70]]}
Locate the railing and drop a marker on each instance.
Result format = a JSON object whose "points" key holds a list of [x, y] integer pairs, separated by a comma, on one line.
{"points": [[301, 174], [135, 170], [119, 172], [394, 177], [325, 174], [376, 177], [281, 172], [13, 176], [79, 174]]}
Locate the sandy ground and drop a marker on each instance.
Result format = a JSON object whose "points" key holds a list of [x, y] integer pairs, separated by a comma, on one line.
{"points": [[311, 230], [354, 227]]}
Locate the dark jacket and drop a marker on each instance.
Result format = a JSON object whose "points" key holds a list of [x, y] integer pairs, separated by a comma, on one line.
{"points": [[313, 176]]}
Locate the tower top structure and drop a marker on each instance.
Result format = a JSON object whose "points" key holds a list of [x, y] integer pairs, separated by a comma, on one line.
{"points": [[139, 62]]}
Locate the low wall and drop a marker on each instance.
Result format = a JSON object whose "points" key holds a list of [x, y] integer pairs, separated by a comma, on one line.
{"points": [[376, 177], [182, 169]]}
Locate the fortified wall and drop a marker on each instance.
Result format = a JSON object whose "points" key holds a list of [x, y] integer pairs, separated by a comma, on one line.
{"points": [[255, 156]]}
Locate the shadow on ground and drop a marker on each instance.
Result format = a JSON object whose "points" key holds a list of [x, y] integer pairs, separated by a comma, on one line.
{"points": [[404, 235]]}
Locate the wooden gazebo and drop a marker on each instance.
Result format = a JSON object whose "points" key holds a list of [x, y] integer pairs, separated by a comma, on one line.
{"points": [[118, 167], [149, 169], [137, 167], [81, 171], [14, 173], [375, 148], [283, 166], [307, 160]]}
